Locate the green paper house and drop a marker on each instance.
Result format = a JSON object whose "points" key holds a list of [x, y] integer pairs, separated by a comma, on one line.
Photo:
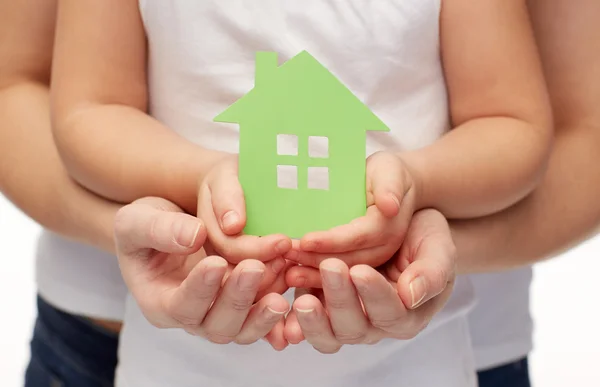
{"points": [[289, 189]]}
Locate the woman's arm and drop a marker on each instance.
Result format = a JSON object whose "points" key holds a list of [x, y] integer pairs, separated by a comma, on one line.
{"points": [[498, 148], [31, 174], [565, 209], [107, 141]]}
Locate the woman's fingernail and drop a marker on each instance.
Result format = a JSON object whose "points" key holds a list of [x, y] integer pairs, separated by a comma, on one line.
{"points": [[187, 232], [214, 274], [305, 311], [273, 311], [332, 277], [418, 291], [277, 265], [250, 278], [230, 218], [361, 283]]}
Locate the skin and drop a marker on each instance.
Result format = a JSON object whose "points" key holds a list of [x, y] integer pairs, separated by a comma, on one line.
{"points": [[497, 100], [32, 175], [559, 214], [531, 231]]}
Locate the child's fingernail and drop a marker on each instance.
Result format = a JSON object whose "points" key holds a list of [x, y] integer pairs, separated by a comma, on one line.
{"points": [[231, 218], [250, 278], [418, 291], [277, 265], [332, 277], [292, 255], [187, 232]]}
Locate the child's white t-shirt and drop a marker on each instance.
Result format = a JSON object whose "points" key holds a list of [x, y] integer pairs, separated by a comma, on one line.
{"points": [[201, 60]]}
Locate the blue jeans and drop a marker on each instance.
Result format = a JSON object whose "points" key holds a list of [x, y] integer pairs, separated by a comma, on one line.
{"points": [[515, 374], [70, 351]]}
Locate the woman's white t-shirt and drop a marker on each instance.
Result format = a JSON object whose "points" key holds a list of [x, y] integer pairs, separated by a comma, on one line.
{"points": [[201, 60]]}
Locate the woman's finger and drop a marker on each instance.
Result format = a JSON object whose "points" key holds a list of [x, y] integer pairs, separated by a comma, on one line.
{"points": [[315, 325], [230, 310], [348, 320], [262, 319]]}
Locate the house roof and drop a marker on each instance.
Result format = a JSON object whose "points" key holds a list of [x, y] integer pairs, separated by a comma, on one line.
{"points": [[300, 89]]}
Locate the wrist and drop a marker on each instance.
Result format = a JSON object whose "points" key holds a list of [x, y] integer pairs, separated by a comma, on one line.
{"points": [[414, 163], [187, 171]]}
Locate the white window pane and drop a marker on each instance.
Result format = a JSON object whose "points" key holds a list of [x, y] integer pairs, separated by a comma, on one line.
{"points": [[287, 145], [287, 176], [318, 178], [318, 147]]}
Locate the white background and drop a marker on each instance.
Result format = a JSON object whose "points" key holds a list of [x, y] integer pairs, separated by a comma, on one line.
{"points": [[566, 308]]}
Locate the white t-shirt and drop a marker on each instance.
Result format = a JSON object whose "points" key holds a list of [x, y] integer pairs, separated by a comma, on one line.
{"points": [[201, 60], [501, 324], [79, 279]]}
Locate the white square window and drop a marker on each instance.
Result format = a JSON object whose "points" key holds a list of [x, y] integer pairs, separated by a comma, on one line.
{"points": [[318, 147], [287, 145], [318, 178], [287, 176]]}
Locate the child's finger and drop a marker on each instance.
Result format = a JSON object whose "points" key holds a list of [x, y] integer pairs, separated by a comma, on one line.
{"points": [[292, 330], [228, 203], [303, 277], [364, 232], [375, 256], [277, 336], [386, 182], [236, 249]]}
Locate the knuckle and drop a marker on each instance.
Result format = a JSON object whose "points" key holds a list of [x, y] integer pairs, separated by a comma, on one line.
{"points": [[385, 324], [219, 338], [337, 303], [352, 337], [241, 303]]}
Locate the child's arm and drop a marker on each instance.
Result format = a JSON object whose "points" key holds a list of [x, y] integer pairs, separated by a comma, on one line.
{"points": [[493, 157], [107, 141], [498, 149]]}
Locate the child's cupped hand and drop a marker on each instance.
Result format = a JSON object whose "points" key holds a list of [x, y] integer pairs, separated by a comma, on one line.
{"points": [[222, 207], [374, 238]]}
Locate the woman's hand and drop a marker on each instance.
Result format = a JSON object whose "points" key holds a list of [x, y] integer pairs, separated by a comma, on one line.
{"points": [[399, 303], [176, 286]]}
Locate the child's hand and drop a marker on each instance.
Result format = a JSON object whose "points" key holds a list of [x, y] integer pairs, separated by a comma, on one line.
{"points": [[221, 206], [374, 238]]}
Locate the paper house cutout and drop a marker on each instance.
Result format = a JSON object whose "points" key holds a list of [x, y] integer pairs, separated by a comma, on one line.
{"points": [[298, 103]]}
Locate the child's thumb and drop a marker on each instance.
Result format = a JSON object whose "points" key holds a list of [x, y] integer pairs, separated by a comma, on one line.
{"points": [[228, 203], [385, 183]]}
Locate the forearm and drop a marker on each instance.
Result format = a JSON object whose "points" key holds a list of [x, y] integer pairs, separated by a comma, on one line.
{"points": [[33, 178], [480, 167], [123, 154], [559, 214]]}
